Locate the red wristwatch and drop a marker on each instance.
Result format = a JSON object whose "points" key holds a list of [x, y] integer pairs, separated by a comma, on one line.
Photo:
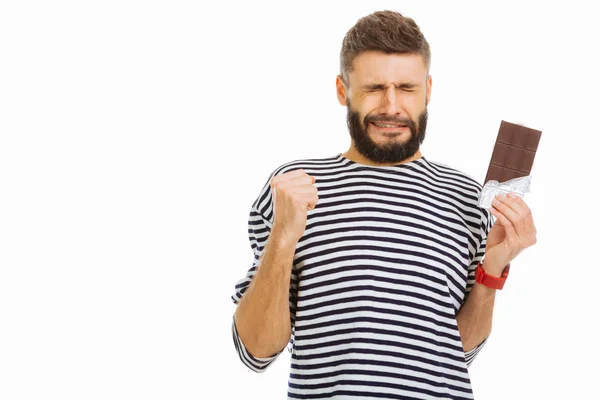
{"points": [[491, 281]]}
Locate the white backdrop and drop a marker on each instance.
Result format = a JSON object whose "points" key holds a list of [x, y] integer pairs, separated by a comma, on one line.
{"points": [[136, 135]]}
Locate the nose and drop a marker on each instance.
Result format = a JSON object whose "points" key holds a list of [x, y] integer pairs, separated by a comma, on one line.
{"points": [[389, 101]]}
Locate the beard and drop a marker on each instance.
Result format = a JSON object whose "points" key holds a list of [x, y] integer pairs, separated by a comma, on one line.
{"points": [[392, 151]]}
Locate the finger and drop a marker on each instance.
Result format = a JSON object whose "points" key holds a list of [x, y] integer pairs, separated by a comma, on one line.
{"points": [[281, 181], [509, 228], [517, 204], [304, 189], [512, 212], [304, 180], [524, 225], [310, 205], [310, 200], [289, 175], [527, 216]]}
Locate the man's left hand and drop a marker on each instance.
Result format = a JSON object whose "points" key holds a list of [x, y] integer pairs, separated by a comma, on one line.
{"points": [[512, 233]]}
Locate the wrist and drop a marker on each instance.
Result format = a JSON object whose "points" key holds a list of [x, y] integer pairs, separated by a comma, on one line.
{"points": [[282, 241], [486, 278], [493, 269]]}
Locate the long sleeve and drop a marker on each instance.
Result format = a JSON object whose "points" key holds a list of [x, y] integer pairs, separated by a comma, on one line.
{"points": [[260, 222], [479, 255], [256, 364]]}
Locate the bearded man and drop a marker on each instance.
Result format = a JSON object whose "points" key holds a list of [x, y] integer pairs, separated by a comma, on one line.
{"points": [[365, 262]]}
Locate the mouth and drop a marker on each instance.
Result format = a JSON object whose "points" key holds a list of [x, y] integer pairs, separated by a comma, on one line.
{"points": [[387, 126]]}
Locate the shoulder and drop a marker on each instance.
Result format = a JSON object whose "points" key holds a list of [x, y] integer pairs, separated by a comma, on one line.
{"points": [[461, 187], [447, 175]]}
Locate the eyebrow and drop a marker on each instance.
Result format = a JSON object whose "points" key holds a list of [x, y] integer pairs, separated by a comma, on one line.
{"points": [[378, 86]]}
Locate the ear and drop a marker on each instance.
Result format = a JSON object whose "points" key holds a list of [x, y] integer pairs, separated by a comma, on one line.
{"points": [[428, 90], [340, 90]]}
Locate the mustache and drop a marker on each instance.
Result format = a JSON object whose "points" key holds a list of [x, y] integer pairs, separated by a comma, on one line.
{"points": [[385, 118]]}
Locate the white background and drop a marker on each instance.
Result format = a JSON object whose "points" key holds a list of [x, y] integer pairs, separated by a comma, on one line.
{"points": [[136, 135]]}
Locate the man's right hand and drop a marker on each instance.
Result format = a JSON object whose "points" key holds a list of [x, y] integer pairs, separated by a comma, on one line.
{"points": [[293, 195]]}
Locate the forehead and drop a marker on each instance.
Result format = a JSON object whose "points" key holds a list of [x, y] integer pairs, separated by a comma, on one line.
{"points": [[378, 67]]}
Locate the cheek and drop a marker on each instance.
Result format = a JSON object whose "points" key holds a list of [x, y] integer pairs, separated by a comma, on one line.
{"points": [[365, 108], [416, 104], [369, 103]]}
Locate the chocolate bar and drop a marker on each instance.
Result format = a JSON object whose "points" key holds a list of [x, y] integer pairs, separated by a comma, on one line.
{"points": [[513, 153]]}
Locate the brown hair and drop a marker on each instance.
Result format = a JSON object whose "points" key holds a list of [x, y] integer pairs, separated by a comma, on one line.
{"points": [[386, 31]]}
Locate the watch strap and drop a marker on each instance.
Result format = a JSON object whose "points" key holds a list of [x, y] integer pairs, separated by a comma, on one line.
{"points": [[493, 282]]}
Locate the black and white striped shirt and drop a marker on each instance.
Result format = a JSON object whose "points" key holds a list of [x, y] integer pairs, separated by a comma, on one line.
{"points": [[385, 263]]}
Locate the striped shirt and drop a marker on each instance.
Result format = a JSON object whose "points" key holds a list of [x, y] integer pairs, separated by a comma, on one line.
{"points": [[385, 263]]}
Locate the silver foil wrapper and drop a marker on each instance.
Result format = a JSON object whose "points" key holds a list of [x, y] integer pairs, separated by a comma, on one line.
{"points": [[491, 189]]}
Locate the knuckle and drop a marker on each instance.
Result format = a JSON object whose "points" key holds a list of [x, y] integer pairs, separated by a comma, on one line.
{"points": [[299, 202]]}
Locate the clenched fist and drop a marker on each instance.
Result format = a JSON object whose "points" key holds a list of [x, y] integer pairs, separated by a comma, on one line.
{"points": [[293, 195]]}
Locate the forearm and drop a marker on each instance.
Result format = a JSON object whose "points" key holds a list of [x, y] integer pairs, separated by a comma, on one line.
{"points": [[475, 316], [262, 317]]}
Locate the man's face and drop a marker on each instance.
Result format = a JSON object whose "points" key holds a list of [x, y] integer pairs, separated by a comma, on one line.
{"points": [[387, 96]]}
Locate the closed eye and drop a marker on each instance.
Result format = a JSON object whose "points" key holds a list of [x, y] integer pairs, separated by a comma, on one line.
{"points": [[373, 88], [405, 87]]}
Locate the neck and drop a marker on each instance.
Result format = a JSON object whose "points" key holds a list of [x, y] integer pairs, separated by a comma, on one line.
{"points": [[354, 155]]}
